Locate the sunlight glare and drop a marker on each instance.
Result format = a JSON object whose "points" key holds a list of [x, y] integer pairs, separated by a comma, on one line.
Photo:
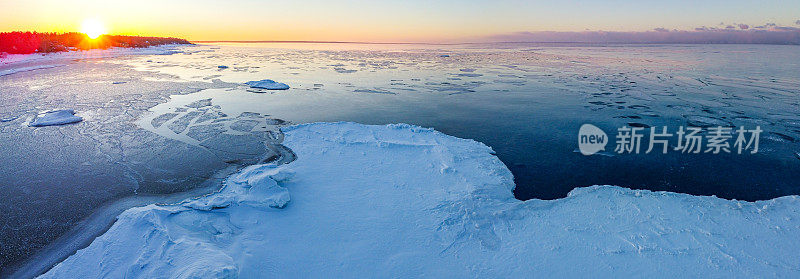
{"points": [[93, 28]]}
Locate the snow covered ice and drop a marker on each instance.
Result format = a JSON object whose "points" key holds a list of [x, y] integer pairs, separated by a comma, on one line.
{"points": [[405, 201], [92, 53], [267, 84], [56, 117]]}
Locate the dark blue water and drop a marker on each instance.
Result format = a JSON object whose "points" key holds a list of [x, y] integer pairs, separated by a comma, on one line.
{"points": [[528, 101]]}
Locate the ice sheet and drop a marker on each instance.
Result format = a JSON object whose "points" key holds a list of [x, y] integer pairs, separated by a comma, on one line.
{"points": [[405, 201]]}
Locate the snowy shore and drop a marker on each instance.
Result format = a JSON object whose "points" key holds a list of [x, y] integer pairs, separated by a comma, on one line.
{"points": [[405, 201], [10, 61]]}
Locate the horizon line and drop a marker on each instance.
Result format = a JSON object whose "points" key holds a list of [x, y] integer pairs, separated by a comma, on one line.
{"points": [[476, 43]]}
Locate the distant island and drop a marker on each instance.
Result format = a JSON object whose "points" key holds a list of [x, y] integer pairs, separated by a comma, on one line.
{"points": [[35, 42]]}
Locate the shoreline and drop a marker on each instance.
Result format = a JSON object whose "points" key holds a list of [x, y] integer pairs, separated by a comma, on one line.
{"points": [[12, 60], [83, 233], [86, 231]]}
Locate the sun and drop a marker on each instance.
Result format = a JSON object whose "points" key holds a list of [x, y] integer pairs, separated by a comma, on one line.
{"points": [[93, 28]]}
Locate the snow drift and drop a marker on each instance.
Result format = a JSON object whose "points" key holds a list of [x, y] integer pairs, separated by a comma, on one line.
{"points": [[405, 201]]}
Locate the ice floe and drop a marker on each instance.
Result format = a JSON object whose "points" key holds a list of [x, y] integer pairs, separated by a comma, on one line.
{"points": [[374, 91], [248, 137], [267, 84], [405, 201], [344, 71], [55, 117], [200, 103]]}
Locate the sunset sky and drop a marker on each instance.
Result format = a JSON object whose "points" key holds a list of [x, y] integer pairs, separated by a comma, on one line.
{"points": [[380, 21]]}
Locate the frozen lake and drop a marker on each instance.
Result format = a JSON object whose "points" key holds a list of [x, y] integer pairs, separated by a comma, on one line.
{"points": [[528, 101], [525, 101]]}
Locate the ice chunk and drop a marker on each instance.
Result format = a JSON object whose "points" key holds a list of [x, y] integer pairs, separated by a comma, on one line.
{"points": [[374, 91], [209, 115], [249, 114], [179, 125], [267, 84], [244, 125], [159, 120], [203, 132], [275, 121], [56, 117], [344, 71], [256, 186], [200, 103], [401, 200]]}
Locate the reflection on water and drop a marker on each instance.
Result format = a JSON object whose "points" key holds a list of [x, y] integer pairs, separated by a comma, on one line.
{"points": [[528, 101]]}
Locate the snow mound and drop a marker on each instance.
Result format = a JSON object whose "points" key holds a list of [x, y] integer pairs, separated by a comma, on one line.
{"points": [[56, 117], [405, 201], [256, 186], [267, 84]]}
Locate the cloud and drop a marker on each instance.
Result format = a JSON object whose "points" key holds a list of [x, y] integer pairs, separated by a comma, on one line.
{"points": [[785, 28], [769, 33]]}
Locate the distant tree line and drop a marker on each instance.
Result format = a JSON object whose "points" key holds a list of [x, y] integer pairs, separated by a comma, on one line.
{"points": [[35, 42]]}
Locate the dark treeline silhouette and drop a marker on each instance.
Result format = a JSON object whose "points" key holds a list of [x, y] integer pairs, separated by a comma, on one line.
{"points": [[33, 42]]}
